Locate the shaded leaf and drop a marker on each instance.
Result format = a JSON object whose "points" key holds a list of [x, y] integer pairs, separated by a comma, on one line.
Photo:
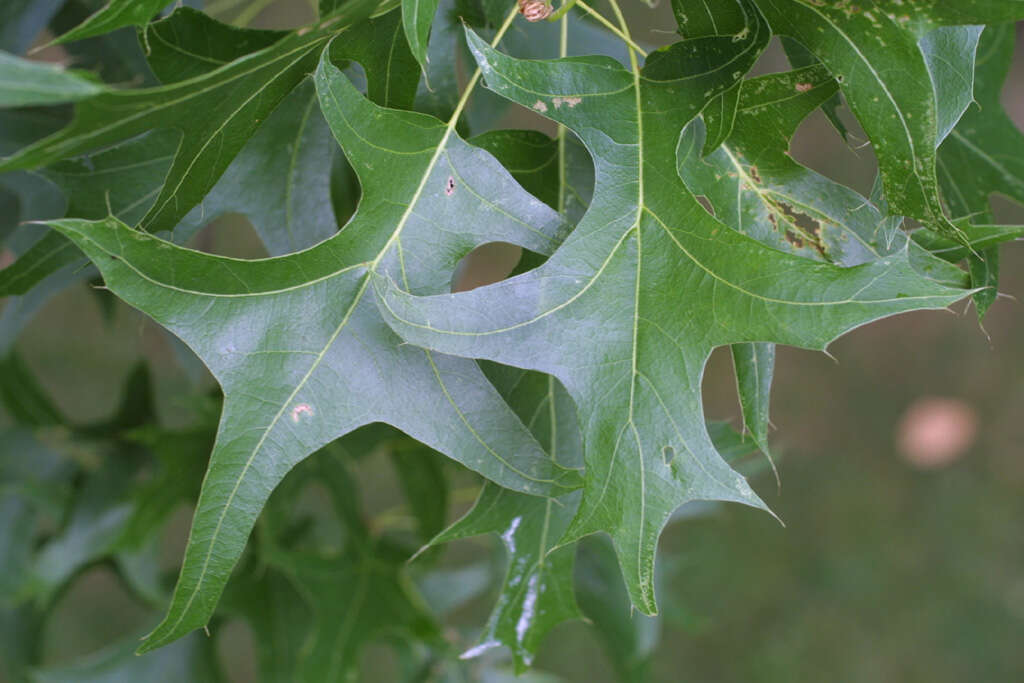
{"points": [[985, 152], [25, 83], [216, 112], [115, 14], [417, 16], [193, 659], [22, 20], [190, 43], [755, 367]]}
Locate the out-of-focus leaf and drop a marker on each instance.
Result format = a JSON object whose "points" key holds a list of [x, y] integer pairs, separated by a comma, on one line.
{"points": [[189, 43], [629, 639], [22, 396], [121, 181], [417, 17], [33, 485], [983, 155], [425, 486], [216, 113], [22, 20], [280, 180], [25, 83], [114, 15], [193, 659], [985, 152], [116, 58], [279, 616], [356, 596]]}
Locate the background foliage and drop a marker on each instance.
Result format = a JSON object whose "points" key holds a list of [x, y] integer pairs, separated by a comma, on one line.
{"points": [[99, 491]]}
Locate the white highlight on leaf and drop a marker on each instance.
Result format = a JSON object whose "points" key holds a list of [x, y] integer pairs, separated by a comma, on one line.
{"points": [[529, 608], [507, 537], [479, 649]]}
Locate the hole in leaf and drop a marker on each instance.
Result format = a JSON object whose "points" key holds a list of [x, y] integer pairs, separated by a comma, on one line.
{"points": [[818, 146], [230, 235], [706, 203], [773, 60], [95, 611], [668, 454], [718, 387], [485, 265]]}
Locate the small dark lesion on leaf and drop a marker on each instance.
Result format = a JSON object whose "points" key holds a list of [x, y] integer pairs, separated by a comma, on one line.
{"points": [[754, 175], [449, 187], [706, 203], [668, 454], [799, 229]]}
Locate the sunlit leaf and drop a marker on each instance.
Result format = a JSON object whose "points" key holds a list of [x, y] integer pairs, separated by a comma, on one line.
{"points": [[601, 311]]}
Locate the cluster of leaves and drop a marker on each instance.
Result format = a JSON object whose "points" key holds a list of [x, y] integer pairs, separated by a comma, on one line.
{"points": [[664, 219]]}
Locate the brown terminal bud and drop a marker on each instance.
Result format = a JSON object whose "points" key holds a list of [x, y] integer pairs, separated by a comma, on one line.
{"points": [[534, 10]]}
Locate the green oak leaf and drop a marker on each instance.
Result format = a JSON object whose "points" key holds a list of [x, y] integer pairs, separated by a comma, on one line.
{"points": [[299, 346], [27, 83], [122, 181], [23, 398], [987, 150], [280, 180], [190, 43], [984, 154], [356, 594], [279, 617], [646, 270], [35, 485], [537, 591], [922, 16], [896, 107], [194, 659], [216, 112], [417, 17], [949, 52], [114, 15], [754, 364], [698, 19]]}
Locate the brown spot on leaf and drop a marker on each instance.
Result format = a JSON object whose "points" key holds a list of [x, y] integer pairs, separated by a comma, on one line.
{"points": [[803, 87], [706, 203], [449, 187], [540, 106]]}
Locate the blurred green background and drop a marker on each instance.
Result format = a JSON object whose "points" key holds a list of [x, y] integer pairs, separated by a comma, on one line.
{"points": [[891, 566]]}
